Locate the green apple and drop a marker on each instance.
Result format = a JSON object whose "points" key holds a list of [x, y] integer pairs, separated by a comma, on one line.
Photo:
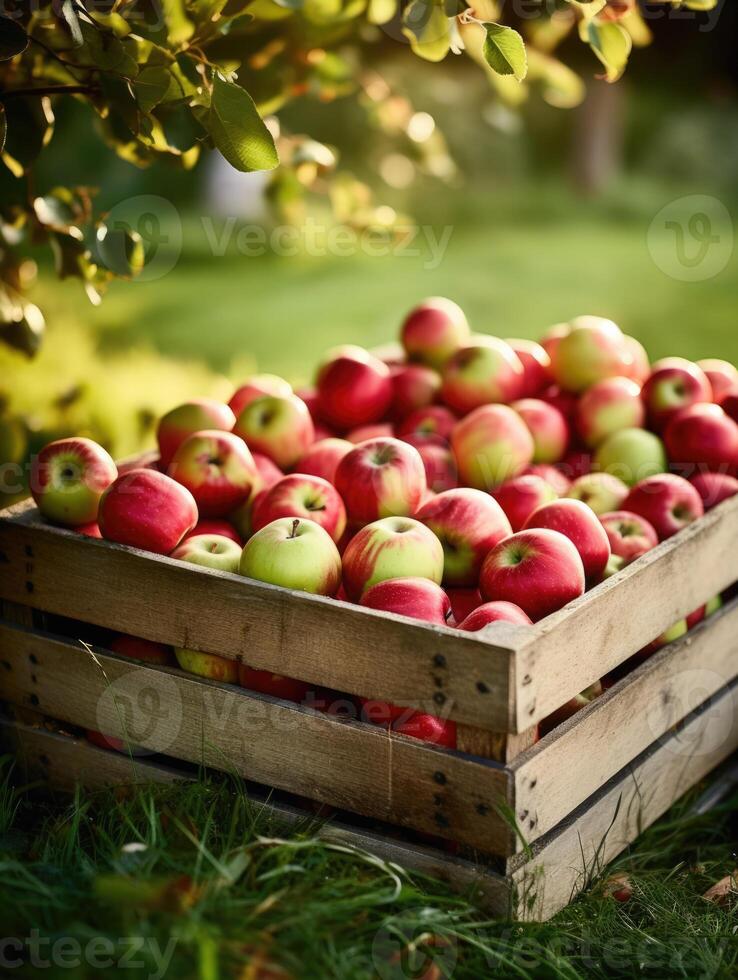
{"points": [[294, 553], [207, 665], [631, 455], [602, 492], [210, 551]]}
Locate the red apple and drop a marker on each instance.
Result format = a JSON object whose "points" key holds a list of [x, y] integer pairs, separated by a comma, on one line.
{"points": [[269, 472], [68, 478], [382, 713], [485, 370], [91, 530], [381, 478], [184, 420], [433, 421], [300, 495], [607, 407], [712, 487], [703, 435], [256, 387], [223, 528], [428, 728], [637, 366], [575, 464], [277, 686], [414, 386], [494, 612], [547, 426], [218, 470], [323, 457], [539, 570], [593, 349], [468, 523], [137, 648], [564, 401], [396, 547], [148, 510], [281, 428], [579, 523], [416, 597], [378, 430], [553, 337], [441, 472], [674, 383], [491, 445], [463, 602], [520, 496], [668, 502], [630, 535], [354, 388], [433, 331], [722, 375], [551, 474], [536, 366]]}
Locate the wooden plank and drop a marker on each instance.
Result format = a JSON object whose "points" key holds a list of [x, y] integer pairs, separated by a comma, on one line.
{"points": [[501, 746], [578, 757], [322, 641], [65, 762], [351, 765], [566, 860], [574, 647]]}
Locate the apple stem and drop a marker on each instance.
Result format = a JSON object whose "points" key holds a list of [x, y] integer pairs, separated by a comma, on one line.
{"points": [[295, 525]]}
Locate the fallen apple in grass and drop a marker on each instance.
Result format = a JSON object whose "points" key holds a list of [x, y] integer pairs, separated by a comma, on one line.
{"points": [[601, 492], [218, 470], [354, 388], [520, 496], [494, 612], [630, 535], [485, 370], [300, 495], [294, 553], [713, 488], [184, 420], [395, 547], [491, 445], [380, 478], [207, 665], [631, 455], [580, 524], [468, 523], [668, 502], [279, 427], [418, 598], [210, 551], [433, 331], [146, 509], [68, 478], [538, 570]]}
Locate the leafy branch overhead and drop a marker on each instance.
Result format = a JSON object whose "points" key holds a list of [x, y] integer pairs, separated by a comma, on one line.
{"points": [[165, 79]]}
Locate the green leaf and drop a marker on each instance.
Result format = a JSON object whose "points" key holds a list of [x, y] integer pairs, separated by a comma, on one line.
{"points": [[108, 52], [30, 124], [179, 27], [612, 45], [504, 51], [151, 86], [13, 39], [121, 250], [428, 29], [238, 130]]}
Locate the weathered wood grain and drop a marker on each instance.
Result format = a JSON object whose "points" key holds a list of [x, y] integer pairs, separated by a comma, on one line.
{"points": [[348, 764], [578, 757], [339, 645]]}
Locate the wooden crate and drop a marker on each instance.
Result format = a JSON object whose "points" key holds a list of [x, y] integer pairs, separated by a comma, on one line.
{"points": [[498, 796]]}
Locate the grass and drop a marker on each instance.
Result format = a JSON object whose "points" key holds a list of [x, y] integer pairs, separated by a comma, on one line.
{"points": [[195, 880]]}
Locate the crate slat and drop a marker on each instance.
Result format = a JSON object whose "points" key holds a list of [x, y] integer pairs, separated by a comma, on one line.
{"points": [[349, 764]]}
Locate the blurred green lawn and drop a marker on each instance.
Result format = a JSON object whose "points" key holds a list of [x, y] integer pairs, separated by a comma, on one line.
{"points": [[517, 262]]}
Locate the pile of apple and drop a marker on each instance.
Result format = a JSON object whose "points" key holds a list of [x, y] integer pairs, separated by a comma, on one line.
{"points": [[459, 479]]}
